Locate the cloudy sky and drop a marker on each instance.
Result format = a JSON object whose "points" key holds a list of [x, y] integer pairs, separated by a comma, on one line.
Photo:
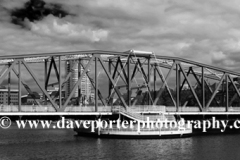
{"points": [[207, 31]]}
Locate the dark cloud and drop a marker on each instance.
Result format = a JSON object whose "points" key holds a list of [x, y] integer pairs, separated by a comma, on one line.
{"points": [[36, 10]]}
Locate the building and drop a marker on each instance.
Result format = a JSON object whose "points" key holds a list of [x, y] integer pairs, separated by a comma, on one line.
{"points": [[72, 66], [13, 96], [29, 100]]}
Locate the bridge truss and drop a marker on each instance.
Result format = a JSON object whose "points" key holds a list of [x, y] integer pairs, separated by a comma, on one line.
{"points": [[187, 85]]}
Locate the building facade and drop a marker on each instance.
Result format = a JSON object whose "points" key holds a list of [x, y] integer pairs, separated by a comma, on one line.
{"points": [[13, 96], [72, 66]]}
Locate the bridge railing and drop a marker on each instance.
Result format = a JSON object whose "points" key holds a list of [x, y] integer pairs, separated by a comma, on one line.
{"points": [[148, 108], [88, 109], [27, 108], [196, 109], [142, 108], [162, 109], [136, 109]]}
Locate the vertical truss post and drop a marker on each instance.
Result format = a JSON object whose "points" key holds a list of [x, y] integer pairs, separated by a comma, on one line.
{"points": [[148, 80], [45, 79], [223, 90], [19, 86], [9, 86], [227, 94], [154, 81], [179, 82], [96, 85], [60, 83], [177, 87], [129, 82], [79, 86], [110, 72], [203, 89]]}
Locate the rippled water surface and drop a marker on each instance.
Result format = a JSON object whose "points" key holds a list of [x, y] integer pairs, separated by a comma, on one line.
{"points": [[63, 144]]}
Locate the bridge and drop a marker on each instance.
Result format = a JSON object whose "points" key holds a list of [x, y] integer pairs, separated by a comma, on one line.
{"points": [[143, 82]]}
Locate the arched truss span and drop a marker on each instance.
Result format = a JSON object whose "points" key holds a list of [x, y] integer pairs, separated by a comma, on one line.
{"points": [[150, 75]]}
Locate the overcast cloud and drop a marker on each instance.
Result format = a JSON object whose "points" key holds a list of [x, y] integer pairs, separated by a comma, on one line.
{"points": [[207, 31]]}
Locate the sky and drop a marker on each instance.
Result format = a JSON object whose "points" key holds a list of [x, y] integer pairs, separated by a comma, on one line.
{"points": [[206, 31]]}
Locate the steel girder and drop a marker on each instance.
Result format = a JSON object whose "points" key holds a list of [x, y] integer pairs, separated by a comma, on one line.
{"points": [[129, 68]]}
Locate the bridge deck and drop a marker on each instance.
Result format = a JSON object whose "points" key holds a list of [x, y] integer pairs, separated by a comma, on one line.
{"points": [[108, 110]]}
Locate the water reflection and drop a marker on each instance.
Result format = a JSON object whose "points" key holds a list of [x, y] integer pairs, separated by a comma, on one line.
{"points": [[62, 144]]}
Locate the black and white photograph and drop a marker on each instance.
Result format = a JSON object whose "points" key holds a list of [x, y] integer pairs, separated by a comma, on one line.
{"points": [[115, 80]]}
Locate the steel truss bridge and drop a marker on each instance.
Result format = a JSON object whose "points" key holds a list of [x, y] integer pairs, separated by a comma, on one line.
{"points": [[209, 89]]}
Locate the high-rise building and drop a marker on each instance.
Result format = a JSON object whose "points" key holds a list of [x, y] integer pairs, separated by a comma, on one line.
{"points": [[72, 66]]}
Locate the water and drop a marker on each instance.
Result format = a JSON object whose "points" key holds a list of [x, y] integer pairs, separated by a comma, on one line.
{"points": [[62, 144]]}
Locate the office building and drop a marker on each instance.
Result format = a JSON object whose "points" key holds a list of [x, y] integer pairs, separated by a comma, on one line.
{"points": [[72, 66]]}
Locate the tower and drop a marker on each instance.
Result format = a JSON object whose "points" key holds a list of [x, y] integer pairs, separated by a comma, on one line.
{"points": [[72, 66]]}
